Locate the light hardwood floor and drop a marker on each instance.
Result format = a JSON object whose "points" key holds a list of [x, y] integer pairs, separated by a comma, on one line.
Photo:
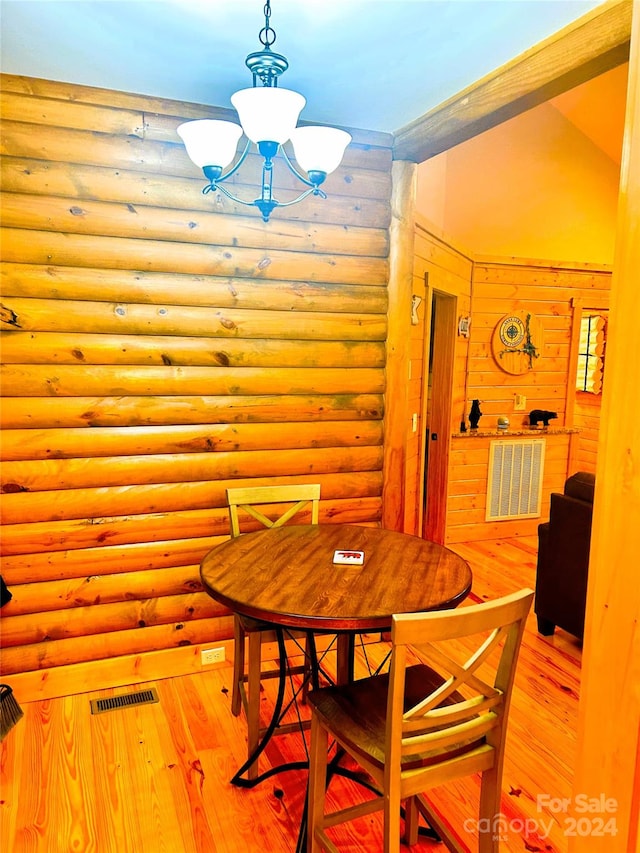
{"points": [[155, 778]]}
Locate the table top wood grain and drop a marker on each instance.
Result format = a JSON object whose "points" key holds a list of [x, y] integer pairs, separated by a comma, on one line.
{"points": [[286, 576]]}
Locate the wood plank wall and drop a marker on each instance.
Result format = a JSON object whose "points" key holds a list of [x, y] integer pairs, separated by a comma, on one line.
{"points": [[437, 267], [586, 417], [547, 290], [158, 346]]}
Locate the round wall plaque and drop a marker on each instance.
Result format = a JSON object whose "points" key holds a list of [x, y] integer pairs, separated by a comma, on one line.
{"points": [[517, 342], [512, 331]]}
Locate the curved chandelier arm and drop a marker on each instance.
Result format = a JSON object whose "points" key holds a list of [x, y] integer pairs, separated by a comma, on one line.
{"points": [[314, 184], [214, 181], [213, 187], [313, 191]]}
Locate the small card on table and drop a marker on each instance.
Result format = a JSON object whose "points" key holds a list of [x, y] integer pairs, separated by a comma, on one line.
{"points": [[348, 558]]}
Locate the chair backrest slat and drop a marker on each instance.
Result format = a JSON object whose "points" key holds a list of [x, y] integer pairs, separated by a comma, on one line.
{"points": [[467, 710], [249, 498], [452, 736], [460, 675]]}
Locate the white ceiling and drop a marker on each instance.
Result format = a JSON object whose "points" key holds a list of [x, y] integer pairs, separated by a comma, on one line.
{"points": [[374, 64]]}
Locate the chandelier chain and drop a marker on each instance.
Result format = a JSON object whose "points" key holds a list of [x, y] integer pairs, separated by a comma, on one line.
{"points": [[267, 35]]}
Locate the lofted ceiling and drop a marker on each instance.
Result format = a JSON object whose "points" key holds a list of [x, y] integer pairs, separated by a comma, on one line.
{"points": [[597, 109], [374, 64]]}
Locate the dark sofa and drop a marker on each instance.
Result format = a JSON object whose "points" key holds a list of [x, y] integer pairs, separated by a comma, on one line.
{"points": [[563, 558]]}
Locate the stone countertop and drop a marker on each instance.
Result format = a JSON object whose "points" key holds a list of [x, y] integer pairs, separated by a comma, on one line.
{"points": [[529, 432]]}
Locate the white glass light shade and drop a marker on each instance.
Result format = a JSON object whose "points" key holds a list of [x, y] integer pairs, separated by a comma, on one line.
{"points": [[319, 148], [210, 142], [268, 114]]}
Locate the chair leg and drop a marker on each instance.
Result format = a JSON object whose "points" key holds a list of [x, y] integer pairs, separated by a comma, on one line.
{"points": [[317, 783], [411, 820], [253, 697], [392, 820], [439, 827], [490, 796], [238, 666]]}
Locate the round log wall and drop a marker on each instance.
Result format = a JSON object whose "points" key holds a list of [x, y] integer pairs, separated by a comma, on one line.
{"points": [[159, 346]]}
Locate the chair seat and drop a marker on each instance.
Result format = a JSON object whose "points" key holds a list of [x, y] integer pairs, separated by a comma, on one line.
{"points": [[362, 706]]}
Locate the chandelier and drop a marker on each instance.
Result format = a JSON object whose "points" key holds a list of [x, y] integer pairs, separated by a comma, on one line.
{"points": [[268, 117]]}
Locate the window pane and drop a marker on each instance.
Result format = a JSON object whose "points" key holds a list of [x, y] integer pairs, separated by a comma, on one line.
{"points": [[591, 353]]}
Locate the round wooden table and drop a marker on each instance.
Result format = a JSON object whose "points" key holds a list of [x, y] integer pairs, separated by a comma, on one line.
{"points": [[287, 576]]}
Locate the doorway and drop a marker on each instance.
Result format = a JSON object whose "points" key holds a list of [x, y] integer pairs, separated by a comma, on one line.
{"points": [[441, 337]]}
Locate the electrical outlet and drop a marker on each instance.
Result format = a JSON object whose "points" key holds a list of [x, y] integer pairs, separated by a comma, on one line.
{"points": [[209, 656]]}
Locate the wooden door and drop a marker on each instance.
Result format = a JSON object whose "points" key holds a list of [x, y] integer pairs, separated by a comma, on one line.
{"points": [[438, 390]]}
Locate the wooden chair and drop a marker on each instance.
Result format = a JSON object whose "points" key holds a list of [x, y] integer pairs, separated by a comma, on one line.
{"points": [[253, 501], [422, 725]]}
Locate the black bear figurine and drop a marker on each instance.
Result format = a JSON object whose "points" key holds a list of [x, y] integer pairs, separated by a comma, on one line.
{"points": [[475, 414], [537, 415]]}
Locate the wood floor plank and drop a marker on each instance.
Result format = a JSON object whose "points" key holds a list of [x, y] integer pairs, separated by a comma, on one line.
{"points": [[35, 814], [155, 778], [74, 760], [118, 826]]}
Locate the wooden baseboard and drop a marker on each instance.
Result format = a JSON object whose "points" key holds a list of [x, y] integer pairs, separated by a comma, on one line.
{"points": [[493, 530], [114, 672], [89, 676]]}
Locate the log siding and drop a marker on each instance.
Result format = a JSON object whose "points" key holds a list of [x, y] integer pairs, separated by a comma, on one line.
{"points": [[160, 345]]}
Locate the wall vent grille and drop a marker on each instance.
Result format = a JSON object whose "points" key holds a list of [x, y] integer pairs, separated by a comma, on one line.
{"points": [[515, 479]]}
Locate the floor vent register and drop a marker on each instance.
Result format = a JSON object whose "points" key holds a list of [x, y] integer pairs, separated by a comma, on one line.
{"points": [[126, 700]]}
